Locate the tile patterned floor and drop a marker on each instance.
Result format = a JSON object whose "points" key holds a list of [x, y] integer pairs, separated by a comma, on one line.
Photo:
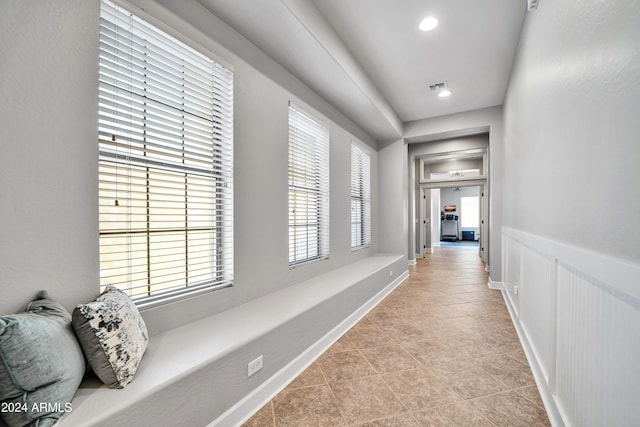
{"points": [[440, 350]]}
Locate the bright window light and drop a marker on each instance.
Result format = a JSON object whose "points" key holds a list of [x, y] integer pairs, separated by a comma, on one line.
{"points": [[470, 212]]}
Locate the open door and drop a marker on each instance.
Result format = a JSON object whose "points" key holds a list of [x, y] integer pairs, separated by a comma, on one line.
{"points": [[425, 225], [426, 221], [484, 223]]}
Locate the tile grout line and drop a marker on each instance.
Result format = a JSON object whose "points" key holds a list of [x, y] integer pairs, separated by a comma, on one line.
{"points": [[326, 381]]}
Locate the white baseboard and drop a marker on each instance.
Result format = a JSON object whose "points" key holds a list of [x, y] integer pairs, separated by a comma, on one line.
{"points": [[545, 393], [495, 285], [412, 262], [245, 408]]}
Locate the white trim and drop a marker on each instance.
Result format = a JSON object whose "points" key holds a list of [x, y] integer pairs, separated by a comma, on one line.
{"points": [[412, 261], [619, 275], [454, 182], [492, 284], [250, 404], [545, 393]]}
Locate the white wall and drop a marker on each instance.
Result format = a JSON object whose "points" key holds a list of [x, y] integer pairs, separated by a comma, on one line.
{"points": [[394, 203], [49, 173], [571, 268], [572, 128], [49, 204]]}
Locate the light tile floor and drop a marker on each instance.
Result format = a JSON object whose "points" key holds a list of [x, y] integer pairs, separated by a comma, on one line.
{"points": [[440, 350]]}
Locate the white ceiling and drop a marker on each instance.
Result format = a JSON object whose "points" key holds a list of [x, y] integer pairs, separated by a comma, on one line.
{"points": [[368, 58]]}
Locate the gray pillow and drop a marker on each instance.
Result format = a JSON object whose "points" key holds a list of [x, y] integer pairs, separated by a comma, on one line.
{"points": [[41, 364], [113, 336]]}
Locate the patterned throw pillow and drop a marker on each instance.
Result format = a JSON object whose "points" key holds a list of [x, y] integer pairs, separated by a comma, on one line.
{"points": [[41, 364], [113, 336]]}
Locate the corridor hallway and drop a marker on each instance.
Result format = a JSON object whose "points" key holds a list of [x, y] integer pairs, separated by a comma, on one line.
{"points": [[440, 350]]}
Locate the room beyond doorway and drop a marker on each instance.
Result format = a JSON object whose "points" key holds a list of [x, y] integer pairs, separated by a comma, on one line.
{"points": [[445, 221], [459, 214], [446, 183]]}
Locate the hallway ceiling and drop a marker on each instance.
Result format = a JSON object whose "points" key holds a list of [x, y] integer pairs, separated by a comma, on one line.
{"points": [[369, 59]]}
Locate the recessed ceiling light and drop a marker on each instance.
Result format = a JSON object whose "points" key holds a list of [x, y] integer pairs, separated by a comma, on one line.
{"points": [[444, 92], [428, 23]]}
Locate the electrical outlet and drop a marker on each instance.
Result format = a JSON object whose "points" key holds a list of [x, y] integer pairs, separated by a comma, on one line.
{"points": [[254, 366], [515, 289], [390, 273]]}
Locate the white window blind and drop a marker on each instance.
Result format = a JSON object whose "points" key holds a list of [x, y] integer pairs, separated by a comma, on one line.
{"points": [[360, 198], [166, 163], [308, 188]]}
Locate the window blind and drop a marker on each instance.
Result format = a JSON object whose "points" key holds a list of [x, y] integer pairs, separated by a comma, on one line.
{"points": [[360, 198], [165, 163], [308, 188]]}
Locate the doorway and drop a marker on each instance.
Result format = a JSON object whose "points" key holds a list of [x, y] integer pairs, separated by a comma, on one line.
{"points": [[453, 217], [460, 215], [448, 181]]}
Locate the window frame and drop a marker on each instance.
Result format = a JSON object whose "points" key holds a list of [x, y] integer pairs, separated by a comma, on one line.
{"points": [[156, 119], [308, 188], [360, 197]]}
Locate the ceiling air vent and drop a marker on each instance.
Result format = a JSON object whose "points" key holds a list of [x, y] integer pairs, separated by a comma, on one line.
{"points": [[532, 4], [441, 88]]}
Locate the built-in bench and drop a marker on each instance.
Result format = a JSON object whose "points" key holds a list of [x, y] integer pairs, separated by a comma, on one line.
{"points": [[196, 374]]}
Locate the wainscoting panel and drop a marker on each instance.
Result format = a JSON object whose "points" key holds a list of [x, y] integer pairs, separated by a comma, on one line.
{"points": [[512, 263], [538, 308], [578, 316], [598, 353]]}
